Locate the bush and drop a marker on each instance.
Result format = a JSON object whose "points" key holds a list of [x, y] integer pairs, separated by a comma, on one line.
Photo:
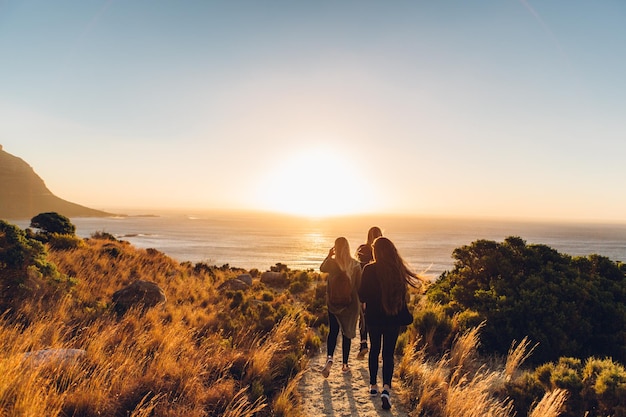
{"points": [[64, 242], [24, 269], [436, 329], [598, 386], [103, 236], [605, 385], [53, 222], [533, 291]]}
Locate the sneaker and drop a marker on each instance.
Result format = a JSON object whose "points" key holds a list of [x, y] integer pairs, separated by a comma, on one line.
{"points": [[326, 369], [373, 390], [362, 352], [384, 397], [345, 368]]}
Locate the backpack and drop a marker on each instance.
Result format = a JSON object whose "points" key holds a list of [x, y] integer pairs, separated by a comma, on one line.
{"points": [[339, 288]]}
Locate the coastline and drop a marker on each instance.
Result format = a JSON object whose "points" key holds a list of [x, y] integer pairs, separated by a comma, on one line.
{"points": [[256, 240]]}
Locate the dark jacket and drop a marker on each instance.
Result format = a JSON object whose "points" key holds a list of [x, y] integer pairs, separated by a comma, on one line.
{"points": [[364, 254], [370, 293]]}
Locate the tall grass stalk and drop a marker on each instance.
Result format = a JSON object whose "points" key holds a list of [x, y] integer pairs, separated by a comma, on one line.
{"points": [[463, 354], [286, 402], [516, 356], [456, 384], [551, 405], [240, 406]]}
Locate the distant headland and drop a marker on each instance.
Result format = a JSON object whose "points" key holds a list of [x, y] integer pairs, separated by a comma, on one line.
{"points": [[23, 194]]}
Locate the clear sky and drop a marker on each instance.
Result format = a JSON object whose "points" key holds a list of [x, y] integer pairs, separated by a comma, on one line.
{"points": [[473, 108]]}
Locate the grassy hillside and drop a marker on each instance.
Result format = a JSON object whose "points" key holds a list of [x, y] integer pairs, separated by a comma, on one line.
{"points": [[218, 349], [205, 352]]}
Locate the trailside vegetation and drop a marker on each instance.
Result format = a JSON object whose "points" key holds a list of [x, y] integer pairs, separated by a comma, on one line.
{"points": [[569, 306], [520, 329], [209, 350], [53, 222]]}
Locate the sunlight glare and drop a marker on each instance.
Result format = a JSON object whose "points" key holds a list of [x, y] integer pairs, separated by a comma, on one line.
{"points": [[314, 183]]}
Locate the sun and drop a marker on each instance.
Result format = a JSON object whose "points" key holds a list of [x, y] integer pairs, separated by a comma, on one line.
{"points": [[315, 182]]}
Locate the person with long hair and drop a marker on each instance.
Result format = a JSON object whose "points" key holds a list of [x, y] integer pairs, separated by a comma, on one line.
{"points": [[384, 290], [341, 317], [364, 256]]}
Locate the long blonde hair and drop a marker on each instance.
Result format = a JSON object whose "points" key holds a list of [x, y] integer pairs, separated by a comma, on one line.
{"points": [[395, 275], [342, 255]]}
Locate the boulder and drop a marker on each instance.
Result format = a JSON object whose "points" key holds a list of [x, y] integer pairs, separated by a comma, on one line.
{"points": [[143, 294], [56, 356], [247, 278], [274, 279], [233, 284]]}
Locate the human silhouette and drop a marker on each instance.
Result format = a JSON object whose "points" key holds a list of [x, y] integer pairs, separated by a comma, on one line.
{"points": [[341, 317], [384, 290], [364, 256]]}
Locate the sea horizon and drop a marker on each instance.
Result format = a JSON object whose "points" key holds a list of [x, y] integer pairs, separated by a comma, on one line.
{"points": [[258, 240]]}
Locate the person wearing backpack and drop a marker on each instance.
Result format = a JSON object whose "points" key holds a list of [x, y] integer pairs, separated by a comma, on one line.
{"points": [[384, 290], [364, 256], [342, 300]]}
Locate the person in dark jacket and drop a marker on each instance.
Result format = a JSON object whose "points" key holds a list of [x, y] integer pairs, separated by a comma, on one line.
{"points": [[384, 289], [364, 256]]}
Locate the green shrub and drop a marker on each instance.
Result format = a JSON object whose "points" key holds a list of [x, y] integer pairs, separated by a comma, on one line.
{"points": [[605, 384], [567, 375], [103, 236], [598, 386], [435, 327], [64, 242], [237, 299], [468, 319], [53, 222], [297, 287], [312, 342], [534, 291], [24, 269], [403, 341], [525, 391], [267, 296]]}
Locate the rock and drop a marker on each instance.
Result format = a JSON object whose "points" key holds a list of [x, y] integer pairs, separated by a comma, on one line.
{"points": [[233, 284], [45, 356], [247, 278], [276, 279], [141, 293]]}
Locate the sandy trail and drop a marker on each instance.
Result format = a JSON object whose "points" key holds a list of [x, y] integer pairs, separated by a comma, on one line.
{"points": [[343, 394]]}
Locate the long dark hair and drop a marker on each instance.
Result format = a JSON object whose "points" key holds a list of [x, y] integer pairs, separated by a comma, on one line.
{"points": [[395, 275]]}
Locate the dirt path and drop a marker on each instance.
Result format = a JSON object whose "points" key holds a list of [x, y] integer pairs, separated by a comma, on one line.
{"points": [[343, 394]]}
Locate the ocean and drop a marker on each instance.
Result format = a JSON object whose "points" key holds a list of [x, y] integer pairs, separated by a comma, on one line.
{"points": [[255, 240]]}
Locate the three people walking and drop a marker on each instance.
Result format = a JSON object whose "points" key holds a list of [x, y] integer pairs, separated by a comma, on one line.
{"points": [[380, 295]]}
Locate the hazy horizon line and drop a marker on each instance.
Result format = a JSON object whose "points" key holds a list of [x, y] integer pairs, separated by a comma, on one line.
{"points": [[195, 211]]}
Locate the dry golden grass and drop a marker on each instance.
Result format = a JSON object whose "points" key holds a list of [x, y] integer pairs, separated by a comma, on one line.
{"points": [[286, 403], [241, 406], [205, 352], [517, 355], [464, 355], [196, 355], [460, 385], [550, 405]]}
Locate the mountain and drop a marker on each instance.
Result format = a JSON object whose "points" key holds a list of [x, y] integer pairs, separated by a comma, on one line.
{"points": [[23, 194]]}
